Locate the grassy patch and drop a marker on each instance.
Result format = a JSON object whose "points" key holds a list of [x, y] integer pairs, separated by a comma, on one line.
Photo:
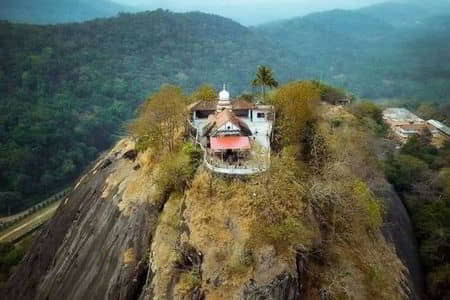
{"points": [[372, 207], [188, 282], [286, 235], [240, 261]]}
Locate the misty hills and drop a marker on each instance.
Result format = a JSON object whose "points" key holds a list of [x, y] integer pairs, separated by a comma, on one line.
{"points": [[407, 13], [58, 11], [364, 52]]}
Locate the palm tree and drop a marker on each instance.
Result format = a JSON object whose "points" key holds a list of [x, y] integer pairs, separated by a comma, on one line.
{"points": [[264, 78]]}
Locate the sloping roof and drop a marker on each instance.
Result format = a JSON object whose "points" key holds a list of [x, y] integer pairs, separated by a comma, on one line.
{"points": [[217, 121], [400, 115], [230, 143], [212, 105], [242, 104], [226, 116], [440, 126], [203, 105]]}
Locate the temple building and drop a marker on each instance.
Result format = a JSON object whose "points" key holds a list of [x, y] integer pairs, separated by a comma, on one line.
{"points": [[234, 133]]}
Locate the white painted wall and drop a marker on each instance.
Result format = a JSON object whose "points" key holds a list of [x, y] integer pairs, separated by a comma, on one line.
{"points": [[255, 115]]}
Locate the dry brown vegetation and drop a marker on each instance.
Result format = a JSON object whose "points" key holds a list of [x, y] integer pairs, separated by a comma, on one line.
{"points": [[315, 205], [205, 92], [325, 212], [295, 105], [160, 119]]}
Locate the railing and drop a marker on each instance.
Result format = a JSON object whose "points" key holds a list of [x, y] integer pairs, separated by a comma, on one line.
{"points": [[233, 169]]}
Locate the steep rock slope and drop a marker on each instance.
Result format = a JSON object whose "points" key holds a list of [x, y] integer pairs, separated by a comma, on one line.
{"points": [[94, 247]]}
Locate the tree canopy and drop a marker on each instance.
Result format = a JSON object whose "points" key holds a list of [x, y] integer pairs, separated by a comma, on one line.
{"points": [[264, 78], [161, 118], [295, 105]]}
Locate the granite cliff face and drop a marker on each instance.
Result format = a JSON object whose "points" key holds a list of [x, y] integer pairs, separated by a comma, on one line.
{"points": [[113, 238]]}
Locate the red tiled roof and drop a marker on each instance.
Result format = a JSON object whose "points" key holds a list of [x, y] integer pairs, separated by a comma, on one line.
{"points": [[230, 143]]}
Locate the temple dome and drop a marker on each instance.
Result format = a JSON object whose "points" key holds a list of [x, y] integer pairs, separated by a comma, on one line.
{"points": [[224, 95]]}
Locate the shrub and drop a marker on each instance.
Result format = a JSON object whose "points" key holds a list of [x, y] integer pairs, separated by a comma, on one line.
{"points": [[368, 109], [194, 153], [189, 281], [295, 104], [328, 93], [336, 122], [176, 170], [371, 116]]}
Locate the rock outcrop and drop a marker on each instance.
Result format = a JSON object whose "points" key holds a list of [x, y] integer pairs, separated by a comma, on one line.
{"points": [[113, 238]]}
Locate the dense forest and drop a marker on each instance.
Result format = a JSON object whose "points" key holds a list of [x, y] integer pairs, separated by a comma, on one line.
{"points": [[66, 90]]}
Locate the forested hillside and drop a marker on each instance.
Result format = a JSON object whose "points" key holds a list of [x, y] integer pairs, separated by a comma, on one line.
{"points": [[66, 90]]}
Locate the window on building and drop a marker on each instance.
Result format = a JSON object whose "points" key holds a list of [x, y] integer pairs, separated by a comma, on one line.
{"points": [[260, 115]]}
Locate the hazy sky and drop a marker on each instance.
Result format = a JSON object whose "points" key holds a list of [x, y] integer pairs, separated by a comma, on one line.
{"points": [[250, 12]]}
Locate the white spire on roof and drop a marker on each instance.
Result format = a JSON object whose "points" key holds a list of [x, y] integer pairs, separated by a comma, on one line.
{"points": [[224, 95]]}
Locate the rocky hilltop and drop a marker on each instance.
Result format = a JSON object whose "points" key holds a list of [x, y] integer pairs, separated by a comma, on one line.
{"points": [[117, 236]]}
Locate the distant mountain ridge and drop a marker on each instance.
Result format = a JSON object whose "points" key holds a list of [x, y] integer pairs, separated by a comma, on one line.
{"points": [[370, 51], [58, 11], [406, 13]]}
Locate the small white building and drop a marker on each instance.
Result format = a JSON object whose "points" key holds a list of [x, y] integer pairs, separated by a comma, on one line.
{"points": [[404, 124], [234, 133]]}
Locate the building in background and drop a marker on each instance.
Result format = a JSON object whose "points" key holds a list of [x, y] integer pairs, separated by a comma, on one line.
{"points": [[404, 124]]}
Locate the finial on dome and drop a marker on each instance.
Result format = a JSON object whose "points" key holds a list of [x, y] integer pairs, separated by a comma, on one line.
{"points": [[224, 95]]}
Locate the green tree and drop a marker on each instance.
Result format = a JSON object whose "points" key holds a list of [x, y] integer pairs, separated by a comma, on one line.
{"points": [[405, 170], [264, 78]]}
